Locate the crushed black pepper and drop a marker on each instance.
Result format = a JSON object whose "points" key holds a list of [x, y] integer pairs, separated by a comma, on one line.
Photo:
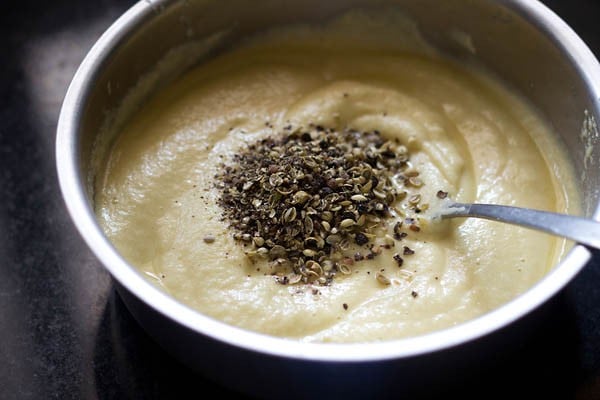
{"points": [[399, 260]]}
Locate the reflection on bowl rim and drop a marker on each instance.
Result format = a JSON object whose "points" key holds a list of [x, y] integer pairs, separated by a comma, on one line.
{"points": [[72, 186]]}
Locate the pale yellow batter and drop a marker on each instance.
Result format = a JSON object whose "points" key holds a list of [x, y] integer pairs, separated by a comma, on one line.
{"points": [[466, 135]]}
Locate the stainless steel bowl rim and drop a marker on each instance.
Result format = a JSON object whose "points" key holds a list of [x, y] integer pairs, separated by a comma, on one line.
{"points": [[72, 187]]}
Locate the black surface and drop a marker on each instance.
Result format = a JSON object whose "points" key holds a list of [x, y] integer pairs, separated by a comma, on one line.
{"points": [[64, 333]]}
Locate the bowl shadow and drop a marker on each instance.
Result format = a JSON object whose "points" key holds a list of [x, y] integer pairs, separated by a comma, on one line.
{"points": [[129, 364], [542, 362]]}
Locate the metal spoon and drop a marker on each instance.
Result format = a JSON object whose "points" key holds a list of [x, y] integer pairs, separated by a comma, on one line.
{"points": [[581, 230]]}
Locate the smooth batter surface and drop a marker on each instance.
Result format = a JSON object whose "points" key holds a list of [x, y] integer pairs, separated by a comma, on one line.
{"points": [[466, 134]]}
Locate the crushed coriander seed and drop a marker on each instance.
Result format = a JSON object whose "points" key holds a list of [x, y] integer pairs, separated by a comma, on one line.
{"points": [[384, 280], [209, 239]]}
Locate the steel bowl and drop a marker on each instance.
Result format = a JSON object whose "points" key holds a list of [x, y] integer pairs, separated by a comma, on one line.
{"points": [[520, 41]]}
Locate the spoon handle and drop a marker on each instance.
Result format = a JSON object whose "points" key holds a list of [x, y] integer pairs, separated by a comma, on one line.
{"points": [[581, 230]]}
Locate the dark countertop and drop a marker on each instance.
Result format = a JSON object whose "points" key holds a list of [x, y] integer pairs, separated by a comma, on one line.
{"points": [[64, 332]]}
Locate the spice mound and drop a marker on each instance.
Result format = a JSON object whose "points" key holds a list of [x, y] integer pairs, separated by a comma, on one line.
{"points": [[303, 199]]}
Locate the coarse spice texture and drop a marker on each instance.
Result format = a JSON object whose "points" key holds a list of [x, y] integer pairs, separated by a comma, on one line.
{"points": [[302, 198]]}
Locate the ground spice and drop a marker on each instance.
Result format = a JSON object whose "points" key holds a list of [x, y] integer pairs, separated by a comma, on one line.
{"points": [[302, 197]]}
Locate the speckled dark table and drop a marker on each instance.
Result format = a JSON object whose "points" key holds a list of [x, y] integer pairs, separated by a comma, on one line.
{"points": [[64, 332]]}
